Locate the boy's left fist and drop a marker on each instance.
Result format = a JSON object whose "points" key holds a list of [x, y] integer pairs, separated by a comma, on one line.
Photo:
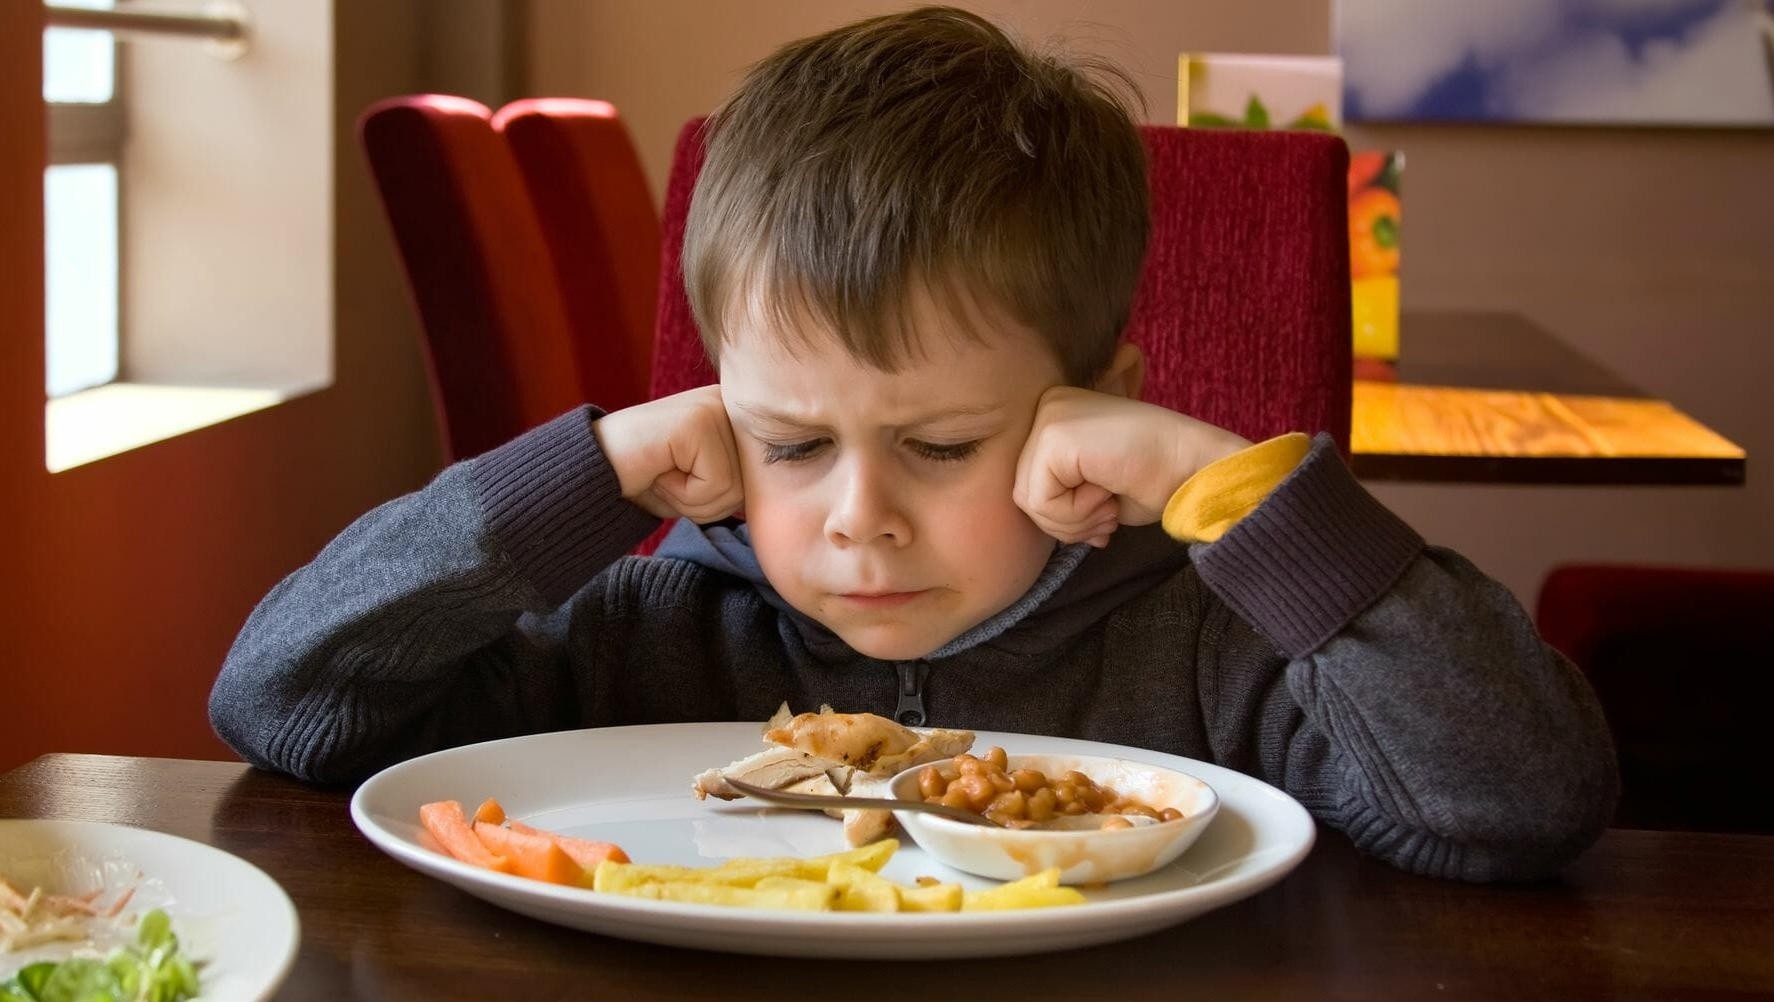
{"points": [[1094, 461]]}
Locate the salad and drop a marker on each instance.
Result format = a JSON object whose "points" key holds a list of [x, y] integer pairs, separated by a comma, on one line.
{"points": [[149, 968]]}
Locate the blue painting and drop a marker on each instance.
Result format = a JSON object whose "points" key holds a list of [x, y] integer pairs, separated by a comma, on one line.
{"points": [[1597, 62]]}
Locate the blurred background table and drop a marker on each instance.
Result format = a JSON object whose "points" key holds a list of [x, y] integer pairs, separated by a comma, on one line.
{"points": [[1643, 914], [1494, 398]]}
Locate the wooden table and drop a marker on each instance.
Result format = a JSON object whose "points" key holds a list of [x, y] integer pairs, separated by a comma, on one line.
{"points": [[1493, 398], [1642, 915]]}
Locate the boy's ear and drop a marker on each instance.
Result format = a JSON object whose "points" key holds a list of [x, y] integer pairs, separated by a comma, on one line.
{"points": [[1126, 372]]}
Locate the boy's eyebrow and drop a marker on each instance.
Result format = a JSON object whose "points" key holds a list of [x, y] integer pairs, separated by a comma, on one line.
{"points": [[784, 417]]}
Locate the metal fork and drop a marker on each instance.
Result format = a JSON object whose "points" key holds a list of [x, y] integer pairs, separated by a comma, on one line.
{"points": [[820, 802]]}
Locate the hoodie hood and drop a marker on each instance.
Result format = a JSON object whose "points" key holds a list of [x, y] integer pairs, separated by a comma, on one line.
{"points": [[1078, 586]]}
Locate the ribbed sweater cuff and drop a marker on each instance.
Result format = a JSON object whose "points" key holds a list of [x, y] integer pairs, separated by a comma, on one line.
{"points": [[553, 503], [1313, 555]]}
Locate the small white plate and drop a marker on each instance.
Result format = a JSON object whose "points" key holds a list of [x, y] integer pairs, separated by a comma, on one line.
{"points": [[227, 913], [631, 786]]}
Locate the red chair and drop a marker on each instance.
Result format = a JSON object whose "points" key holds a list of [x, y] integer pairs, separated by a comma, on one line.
{"points": [[597, 216], [1679, 659], [1243, 307], [498, 343]]}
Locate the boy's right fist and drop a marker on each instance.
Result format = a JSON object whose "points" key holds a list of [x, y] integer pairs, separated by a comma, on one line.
{"points": [[675, 455]]}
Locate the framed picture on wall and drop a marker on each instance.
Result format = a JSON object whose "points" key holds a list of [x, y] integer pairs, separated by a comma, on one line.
{"points": [[1573, 62]]}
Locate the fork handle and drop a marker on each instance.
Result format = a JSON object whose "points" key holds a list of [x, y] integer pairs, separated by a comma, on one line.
{"points": [[820, 802]]}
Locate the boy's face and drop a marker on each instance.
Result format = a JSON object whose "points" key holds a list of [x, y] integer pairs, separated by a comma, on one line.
{"points": [[880, 503]]}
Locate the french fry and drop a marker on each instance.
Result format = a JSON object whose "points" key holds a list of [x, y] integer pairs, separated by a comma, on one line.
{"points": [[843, 881], [870, 857], [1033, 897], [1039, 890], [742, 871], [862, 890], [803, 895], [934, 898]]}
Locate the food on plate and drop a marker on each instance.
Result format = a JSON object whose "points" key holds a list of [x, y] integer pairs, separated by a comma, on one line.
{"points": [[39, 917], [845, 881], [447, 824], [1027, 797], [841, 754], [149, 969], [1038, 890], [508, 846]]}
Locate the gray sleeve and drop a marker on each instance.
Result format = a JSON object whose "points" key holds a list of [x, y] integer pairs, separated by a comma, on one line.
{"points": [[435, 619], [1421, 713]]}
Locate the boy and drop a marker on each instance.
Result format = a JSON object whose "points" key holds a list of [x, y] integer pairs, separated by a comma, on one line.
{"points": [[910, 252]]}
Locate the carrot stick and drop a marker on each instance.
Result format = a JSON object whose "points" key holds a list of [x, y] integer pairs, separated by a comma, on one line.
{"points": [[117, 906], [446, 823], [585, 852], [535, 856]]}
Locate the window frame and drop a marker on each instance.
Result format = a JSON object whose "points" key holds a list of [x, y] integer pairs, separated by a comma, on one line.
{"points": [[85, 132]]}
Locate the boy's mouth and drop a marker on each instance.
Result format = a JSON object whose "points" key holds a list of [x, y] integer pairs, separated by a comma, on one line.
{"points": [[881, 599]]}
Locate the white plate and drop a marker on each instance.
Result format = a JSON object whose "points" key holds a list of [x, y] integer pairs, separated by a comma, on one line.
{"points": [[226, 912], [631, 786]]}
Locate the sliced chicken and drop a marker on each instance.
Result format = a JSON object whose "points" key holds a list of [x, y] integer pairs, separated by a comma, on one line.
{"points": [[830, 752], [772, 768], [866, 741]]}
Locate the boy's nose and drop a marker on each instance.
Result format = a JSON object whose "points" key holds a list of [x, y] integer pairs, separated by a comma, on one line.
{"points": [[863, 508]]}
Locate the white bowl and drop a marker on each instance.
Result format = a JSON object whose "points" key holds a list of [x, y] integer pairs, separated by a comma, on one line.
{"points": [[1083, 857]]}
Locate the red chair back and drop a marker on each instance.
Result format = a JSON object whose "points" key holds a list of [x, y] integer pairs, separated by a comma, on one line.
{"points": [[597, 216], [498, 343], [679, 363], [1243, 306], [1678, 658]]}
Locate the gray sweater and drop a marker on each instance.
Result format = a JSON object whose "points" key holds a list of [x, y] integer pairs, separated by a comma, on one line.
{"points": [[1400, 695]]}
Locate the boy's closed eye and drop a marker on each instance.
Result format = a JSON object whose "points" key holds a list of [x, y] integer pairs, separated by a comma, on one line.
{"points": [[936, 452]]}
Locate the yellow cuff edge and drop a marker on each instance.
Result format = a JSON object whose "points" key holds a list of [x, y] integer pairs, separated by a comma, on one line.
{"points": [[1212, 501]]}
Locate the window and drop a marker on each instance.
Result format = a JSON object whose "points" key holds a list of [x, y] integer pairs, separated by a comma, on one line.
{"points": [[81, 207], [189, 273]]}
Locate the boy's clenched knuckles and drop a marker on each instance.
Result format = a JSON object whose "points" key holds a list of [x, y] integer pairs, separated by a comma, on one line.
{"points": [[676, 455]]}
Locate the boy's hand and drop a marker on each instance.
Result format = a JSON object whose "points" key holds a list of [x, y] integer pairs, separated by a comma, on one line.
{"points": [[675, 455], [1094, 461]]}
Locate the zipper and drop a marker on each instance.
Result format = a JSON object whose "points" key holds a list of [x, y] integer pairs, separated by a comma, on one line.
{"points": [[912, 675]]}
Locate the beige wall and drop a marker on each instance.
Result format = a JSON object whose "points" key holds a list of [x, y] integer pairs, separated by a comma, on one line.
{"points": [[664, 61], [1650, 250], [227, 207]]}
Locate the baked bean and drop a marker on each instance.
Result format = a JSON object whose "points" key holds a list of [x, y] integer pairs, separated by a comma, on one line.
{"points": [[1091, 797], [931, 782], [1012, 805], [1027, 796], [979, 789]]}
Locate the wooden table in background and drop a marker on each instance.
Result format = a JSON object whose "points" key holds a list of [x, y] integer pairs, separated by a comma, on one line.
{"points": [[1642, 915], [1492, 398]]}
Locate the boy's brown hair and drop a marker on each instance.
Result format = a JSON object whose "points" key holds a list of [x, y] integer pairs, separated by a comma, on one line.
{"points": [[924, 149]]}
